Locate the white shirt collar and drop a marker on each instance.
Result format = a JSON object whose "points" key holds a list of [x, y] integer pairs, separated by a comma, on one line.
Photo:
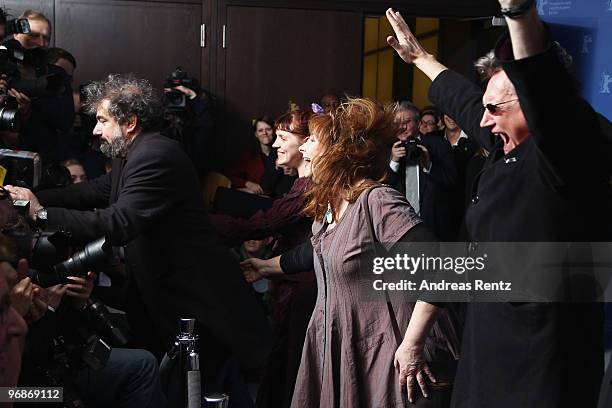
{"points": [[462, 135]]}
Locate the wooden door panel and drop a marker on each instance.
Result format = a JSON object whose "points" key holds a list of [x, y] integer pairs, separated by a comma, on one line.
{"points": [[144, 38], [275, 55]]}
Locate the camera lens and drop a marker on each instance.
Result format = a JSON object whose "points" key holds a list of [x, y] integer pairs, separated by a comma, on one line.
{"points": [[9, 119]]}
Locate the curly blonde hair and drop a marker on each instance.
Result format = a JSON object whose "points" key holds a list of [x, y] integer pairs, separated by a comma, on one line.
{"points": [[355, 141]]}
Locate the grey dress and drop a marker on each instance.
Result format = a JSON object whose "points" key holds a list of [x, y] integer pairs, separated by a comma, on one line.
{"points": [[348, 354]]}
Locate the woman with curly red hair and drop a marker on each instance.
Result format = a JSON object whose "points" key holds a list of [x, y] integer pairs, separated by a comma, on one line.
{"points": [[347, 360]]}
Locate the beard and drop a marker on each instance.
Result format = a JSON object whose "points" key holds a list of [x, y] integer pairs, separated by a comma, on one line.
{"points": [[117, 147]]}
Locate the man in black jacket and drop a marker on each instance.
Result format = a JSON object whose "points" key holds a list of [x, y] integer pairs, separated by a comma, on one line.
{"points": [[427, 178], [535, 187], [151, 203]]}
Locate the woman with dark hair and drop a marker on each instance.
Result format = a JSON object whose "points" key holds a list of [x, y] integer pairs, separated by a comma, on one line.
{"points": [[347, 360], [294, 295], [256, 170]]}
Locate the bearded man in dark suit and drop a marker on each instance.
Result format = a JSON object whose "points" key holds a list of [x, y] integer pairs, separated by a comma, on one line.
{"points": [[151, 204]]}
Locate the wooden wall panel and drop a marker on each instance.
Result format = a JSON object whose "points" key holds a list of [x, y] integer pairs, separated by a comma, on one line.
{"points": [[144, 38], [277, 55], [16, 7]]}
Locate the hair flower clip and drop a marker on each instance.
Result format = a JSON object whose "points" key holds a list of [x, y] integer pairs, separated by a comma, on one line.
{"points": [[316, 108]]}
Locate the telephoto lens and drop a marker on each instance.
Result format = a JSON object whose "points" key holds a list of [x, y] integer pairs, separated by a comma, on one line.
{"points": [[95, 255]]}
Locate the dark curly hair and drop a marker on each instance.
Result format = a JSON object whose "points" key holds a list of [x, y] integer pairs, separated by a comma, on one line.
{"points": [[127, 96]]}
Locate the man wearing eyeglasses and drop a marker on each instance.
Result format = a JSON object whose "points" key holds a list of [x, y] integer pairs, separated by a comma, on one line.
{"points": [[422, 169], [538, 185]]}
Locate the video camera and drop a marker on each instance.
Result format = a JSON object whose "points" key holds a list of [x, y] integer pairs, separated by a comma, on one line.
{"points": [[173, 100]]}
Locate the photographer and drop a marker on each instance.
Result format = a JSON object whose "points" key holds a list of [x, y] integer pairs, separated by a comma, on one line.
{"points": [[128, 377], [51, 109], [151, 203], [188, 113], [422, 168]]}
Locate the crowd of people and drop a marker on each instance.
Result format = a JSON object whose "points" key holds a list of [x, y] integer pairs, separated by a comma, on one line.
{"points": [[278, 296]]}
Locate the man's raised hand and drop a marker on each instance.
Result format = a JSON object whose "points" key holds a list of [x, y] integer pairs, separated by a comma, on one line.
{"points": [[409, 48], [406, 44]]}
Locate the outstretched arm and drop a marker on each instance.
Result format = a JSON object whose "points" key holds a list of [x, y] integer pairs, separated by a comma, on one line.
{"points": [[527, 31], [409, 359], [409, 48]]}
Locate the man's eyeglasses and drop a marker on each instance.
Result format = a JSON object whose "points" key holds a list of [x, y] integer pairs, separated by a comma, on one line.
{"points": [[492, 107], [428, 123]]}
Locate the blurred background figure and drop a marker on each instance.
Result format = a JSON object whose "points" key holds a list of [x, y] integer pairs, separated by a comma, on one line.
{"points": [[430, 120], [77, 172], [330, 102]]}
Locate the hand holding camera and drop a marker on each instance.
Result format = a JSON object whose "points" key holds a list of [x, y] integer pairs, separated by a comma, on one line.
{"points": [[412, 150], [398, 151], [20, 193]]}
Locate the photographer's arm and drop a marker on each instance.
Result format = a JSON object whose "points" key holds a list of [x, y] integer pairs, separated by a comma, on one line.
{"points": [[86, 195], [149, 191]]}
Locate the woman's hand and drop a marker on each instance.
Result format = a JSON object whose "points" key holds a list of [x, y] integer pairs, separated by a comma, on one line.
{"points": [[255, 269], [412, 368], [253, 188]]}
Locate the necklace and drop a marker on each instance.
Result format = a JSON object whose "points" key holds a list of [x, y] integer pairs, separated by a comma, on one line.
{"points": [[329, 215]]}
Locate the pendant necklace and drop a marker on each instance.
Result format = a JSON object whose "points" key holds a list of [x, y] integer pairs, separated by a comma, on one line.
{"points": [[328, 214]]}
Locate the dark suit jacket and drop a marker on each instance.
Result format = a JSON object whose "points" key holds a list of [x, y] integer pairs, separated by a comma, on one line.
{"points": [[544, 190], [434, 187], [151, 203]]}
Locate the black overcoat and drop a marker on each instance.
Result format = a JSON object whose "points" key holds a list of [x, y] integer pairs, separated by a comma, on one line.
{"points": [[151, 203], [551, 188]]}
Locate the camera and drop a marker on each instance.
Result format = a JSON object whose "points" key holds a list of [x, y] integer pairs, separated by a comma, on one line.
{"points": [[173, 100], [12, 55], [21, 168], [413, 151], [49, 251], [17, 26]]}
